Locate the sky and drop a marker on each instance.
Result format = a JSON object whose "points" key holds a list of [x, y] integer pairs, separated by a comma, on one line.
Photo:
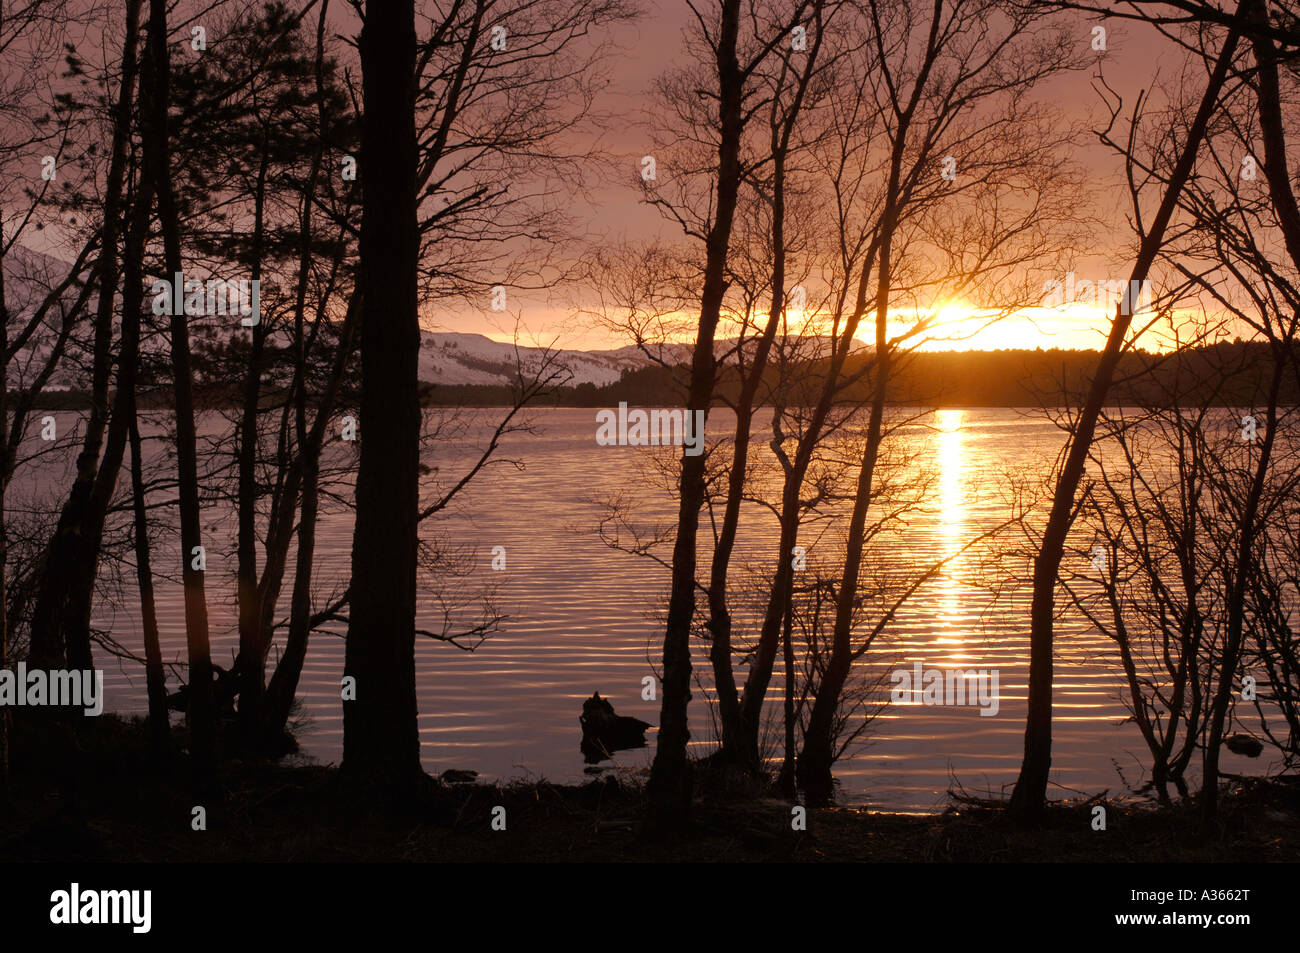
{"points": [[613, 212], [1134, 56]]}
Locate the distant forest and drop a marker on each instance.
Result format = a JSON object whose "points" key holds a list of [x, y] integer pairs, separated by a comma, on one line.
{"points": [[1227, 374], [1232, 374], [1004, 378]]}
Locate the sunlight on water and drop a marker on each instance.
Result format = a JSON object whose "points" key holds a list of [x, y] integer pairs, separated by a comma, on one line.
{"points": [[952, 523]]}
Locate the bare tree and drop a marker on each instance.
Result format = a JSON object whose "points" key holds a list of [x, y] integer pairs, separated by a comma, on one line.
{"points": [[1029, 796]]}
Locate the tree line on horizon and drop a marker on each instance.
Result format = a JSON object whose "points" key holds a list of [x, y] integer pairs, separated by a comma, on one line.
{"points": [[1005, 377]]}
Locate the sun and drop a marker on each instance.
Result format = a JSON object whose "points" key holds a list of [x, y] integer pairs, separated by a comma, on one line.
{"points": [[948, 325], [954, 313]]}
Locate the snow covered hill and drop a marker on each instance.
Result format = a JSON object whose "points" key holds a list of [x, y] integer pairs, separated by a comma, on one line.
{"points": [[456, 358]]}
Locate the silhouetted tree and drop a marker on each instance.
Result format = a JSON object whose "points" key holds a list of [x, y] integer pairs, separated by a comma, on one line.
{"points": [[1030, 793], [380, 743]]}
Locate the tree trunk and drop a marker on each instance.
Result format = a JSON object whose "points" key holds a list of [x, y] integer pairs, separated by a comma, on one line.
{"points": [[1030, 794], [201, 715], [284, 681], [4, 530], [60, 625], [253, 645], [669, 788], [779, 594], [786, 780], [380, 741], [720, 623], [817, 756], [155, 677], [1232, 639], [1277, 172], [278, 701]]}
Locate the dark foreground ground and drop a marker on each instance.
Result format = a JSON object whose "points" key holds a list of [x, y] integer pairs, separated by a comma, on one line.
{"points": [[103, 801]]}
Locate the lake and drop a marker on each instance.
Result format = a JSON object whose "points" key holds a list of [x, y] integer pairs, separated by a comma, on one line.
{"points": [[582, 617]]}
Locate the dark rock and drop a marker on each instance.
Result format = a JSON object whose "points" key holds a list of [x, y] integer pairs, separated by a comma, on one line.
{"points": [[1244, 744], [604, 732]]}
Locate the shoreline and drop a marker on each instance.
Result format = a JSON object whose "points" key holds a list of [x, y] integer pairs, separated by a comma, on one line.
{"points": [[108, 801]]}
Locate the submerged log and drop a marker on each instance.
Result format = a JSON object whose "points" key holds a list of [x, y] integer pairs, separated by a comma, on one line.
{"points": [[604, 732]]}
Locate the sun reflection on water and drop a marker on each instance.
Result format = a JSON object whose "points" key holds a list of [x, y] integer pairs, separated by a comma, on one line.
{"points": [[952, 527]]}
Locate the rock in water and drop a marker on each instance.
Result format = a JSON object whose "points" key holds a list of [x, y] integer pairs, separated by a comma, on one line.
{"points": [[458, 776], [604, 732], [1244, 744], [225, 689]]}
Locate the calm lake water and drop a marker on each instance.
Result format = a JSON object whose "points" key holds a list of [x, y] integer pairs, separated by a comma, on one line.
{"points": [[583, 617]]}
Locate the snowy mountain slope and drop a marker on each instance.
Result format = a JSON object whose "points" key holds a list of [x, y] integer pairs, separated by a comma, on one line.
{"points": [[457, 358]]}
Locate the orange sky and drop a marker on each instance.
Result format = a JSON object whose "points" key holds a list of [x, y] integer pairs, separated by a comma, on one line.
{"points": [[956, 327]]}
